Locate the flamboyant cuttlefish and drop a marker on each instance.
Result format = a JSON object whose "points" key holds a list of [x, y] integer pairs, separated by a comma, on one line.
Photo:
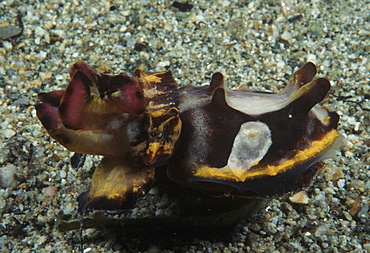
{"points": [[209, 138]]}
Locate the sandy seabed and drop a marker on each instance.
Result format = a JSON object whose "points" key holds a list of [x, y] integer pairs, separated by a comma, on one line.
{"points": [[251, 42]]}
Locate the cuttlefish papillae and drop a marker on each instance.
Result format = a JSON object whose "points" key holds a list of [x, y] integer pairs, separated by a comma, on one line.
{"points": [[212, 139]]}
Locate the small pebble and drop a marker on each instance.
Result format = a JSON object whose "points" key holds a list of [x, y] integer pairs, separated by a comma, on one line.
{"points": [[2, 203], [50, 191], [299, 198], [163, 64], [62, 174], [68, 208], [287, 36], [9, 31], [46, 75], [341, 183], [7, 177], [8, 133]]}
